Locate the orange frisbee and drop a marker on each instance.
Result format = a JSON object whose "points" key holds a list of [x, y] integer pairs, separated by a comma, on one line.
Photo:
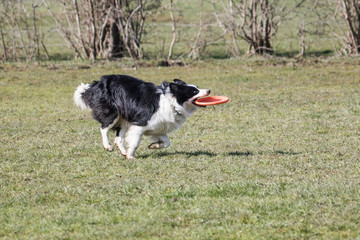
{"points": [[212, 100]]}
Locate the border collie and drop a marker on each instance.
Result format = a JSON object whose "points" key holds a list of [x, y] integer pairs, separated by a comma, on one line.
{"points": [[134, 108]]}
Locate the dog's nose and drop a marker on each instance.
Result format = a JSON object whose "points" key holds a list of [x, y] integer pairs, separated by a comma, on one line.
{"points": [[208, 91]]}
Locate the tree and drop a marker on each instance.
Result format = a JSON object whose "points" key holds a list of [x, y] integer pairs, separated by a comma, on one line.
{"points": [[349, 11], [255, 21], [342, 18], [107, 28], [19, 34]]}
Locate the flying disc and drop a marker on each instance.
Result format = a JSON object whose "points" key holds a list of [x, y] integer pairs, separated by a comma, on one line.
{"points": [[212, 100]]}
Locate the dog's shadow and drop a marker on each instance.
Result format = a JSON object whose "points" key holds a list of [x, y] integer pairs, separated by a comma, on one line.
{"points": [[189, 154], [238, 153], [249, 153], [185, 153]]}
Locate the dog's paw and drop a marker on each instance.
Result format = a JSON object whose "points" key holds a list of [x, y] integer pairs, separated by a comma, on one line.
{"points": [[122, 152], [121, 149], [155, 145], [130, 157], [109, 148]]}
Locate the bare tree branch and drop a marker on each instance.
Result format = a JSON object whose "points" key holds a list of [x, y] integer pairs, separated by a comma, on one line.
{"points": [[66, 36], [80, 36], [3, 43], [16, 23], [255, 21], [173, 30]]}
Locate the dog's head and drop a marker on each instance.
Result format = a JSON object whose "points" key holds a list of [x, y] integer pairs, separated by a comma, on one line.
{"points": [[186, 94]]}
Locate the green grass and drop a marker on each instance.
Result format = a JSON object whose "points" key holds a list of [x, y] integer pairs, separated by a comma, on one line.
{"points": [[279, 161]]}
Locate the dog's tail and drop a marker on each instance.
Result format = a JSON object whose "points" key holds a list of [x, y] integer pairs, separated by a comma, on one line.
{"points": [[78, 99]]}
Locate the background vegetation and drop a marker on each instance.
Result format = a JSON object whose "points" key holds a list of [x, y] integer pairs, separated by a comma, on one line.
{"points": [[176, 30]]}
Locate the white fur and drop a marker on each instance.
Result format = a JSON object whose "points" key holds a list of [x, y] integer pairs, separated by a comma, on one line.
{"points": [[78, 96], [105, 139], [158, 142], [133, 137], [169, 117], [120, 142], [104, 135]]}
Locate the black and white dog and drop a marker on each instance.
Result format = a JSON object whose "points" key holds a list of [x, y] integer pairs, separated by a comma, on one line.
{"points": [[134, 108]]}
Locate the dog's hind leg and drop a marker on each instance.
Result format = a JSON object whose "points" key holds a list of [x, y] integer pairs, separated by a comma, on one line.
{"points": [[104, 134], [161, 141], [120, 140], [133, 137]]}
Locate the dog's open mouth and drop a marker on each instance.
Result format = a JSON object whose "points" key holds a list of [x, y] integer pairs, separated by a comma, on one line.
{"points": [[194, 101]]}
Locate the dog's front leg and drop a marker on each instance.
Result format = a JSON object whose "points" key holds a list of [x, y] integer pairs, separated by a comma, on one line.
{"points": [[133, 137], [162, 141]]}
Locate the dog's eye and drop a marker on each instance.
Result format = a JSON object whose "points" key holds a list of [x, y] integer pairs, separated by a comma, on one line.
{"points": [[196, 91]]}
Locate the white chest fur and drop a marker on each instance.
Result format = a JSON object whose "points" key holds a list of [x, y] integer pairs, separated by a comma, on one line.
{"points": [[169, 117]]}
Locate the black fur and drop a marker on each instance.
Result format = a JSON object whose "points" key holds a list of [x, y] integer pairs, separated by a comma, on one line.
{"points": [[133, 99], [182, 91], [126, 104]]}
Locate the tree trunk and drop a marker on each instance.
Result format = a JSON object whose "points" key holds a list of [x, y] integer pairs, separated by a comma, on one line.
{"points": [[173, 30], [116, 46]]}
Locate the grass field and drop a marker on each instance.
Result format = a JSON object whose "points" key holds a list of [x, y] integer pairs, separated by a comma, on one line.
{"points": [[279, 161]]}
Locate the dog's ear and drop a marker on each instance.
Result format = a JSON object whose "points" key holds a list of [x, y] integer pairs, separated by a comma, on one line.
{"points": [[174, 87], [180, 82]]}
